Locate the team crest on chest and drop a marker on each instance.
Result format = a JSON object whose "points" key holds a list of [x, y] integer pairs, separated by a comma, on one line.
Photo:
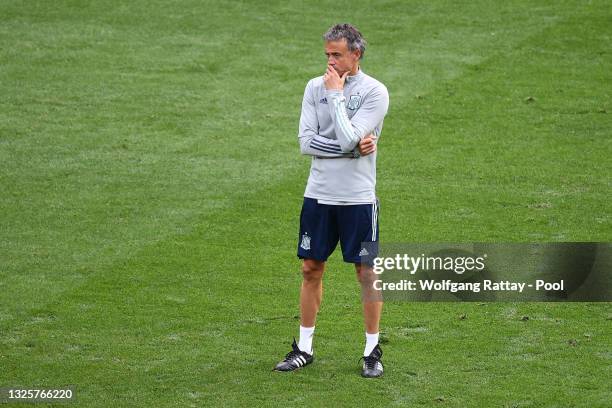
{"points": [[354, 101], [305, 242]]}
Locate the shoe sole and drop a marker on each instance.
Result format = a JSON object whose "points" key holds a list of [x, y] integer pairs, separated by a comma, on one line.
{"points": [[373, 376], [295, 369]]}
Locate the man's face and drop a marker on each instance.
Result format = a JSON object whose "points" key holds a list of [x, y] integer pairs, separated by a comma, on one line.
{"points": [[339, 56]]}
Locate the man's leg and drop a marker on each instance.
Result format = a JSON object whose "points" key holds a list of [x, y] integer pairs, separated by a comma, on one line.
{"points": [[310, 302], [311, 291], [317, 239], [371, 298], [372, 308]]}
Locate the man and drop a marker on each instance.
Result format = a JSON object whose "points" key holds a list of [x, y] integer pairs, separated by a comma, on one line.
{"points": [[341, 121]]}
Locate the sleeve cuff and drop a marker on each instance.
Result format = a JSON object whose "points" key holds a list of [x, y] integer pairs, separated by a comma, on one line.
{"points": [[333, 93]]}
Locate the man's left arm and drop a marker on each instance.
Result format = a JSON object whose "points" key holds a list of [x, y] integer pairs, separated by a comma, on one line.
{"points": [[349, 132]]}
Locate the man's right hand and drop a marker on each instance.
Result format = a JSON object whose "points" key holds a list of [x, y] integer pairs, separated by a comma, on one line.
{"points": [[367, 145]]}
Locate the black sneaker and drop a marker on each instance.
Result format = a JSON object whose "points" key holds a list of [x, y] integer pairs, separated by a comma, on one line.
{"points": [[295, 359], [372, 366]]}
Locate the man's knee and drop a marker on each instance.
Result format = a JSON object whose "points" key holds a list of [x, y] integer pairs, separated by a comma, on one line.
{"points": [[365, 274], [312, 270]]}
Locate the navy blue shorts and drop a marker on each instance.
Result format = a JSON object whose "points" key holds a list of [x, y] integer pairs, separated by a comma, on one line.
{"points": [[322, 226]]}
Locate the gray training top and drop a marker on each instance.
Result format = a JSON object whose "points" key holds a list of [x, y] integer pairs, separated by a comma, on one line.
{"points": [[331, 125]]}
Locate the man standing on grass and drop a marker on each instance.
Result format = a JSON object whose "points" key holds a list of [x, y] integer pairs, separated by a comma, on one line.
{"points": [[341, 121]]}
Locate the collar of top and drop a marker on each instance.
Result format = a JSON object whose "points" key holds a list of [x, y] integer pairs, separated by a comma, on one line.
{"points": [[356, 77]]}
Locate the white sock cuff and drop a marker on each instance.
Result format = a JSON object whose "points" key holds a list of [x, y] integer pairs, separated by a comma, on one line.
{"points": [[306, 335], [307, 330], [371, 342]]}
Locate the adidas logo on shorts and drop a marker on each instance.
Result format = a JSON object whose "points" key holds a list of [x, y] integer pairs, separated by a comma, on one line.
{"points": [[364, 252]]}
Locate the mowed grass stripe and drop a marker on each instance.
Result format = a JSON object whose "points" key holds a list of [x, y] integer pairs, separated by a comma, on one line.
{"points": [[123, 155], [492, 160], [135, 314]]}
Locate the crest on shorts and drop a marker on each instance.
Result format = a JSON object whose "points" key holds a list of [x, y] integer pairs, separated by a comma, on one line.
{"points": [[354, 102], [305, 242]]}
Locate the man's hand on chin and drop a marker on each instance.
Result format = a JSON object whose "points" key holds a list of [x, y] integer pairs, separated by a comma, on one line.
{"points": [[332, 80]]}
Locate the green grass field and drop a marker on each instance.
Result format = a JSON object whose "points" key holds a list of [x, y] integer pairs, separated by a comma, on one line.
{"points": [[151, 187]]}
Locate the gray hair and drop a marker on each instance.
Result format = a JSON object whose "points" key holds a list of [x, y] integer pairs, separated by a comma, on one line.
{"points": [[354, 39]]}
